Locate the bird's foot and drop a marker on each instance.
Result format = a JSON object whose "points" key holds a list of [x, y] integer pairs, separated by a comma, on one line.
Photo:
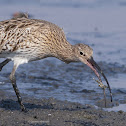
{"points": [[23, 108]]}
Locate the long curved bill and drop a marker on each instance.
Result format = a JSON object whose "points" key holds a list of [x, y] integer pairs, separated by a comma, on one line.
{"points": [[94, 66]]}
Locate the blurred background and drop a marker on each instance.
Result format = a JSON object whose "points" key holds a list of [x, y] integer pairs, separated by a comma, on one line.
{"points": [[99, 23]]}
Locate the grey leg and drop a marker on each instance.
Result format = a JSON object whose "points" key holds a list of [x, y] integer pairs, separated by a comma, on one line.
{"points": [[4, 63], [13, 80]]}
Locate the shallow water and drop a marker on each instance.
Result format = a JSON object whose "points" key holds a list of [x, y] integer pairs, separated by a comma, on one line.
{"points": [[98, 23]]}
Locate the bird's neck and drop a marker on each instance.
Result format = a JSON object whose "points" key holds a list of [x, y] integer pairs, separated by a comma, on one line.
{"points": [[67, 54]]}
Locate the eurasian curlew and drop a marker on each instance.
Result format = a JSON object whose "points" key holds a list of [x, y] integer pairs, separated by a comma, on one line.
{"points": [[23, 40]]}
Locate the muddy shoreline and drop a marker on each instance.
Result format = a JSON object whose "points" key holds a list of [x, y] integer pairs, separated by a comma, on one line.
{"points": [[52, 112]]}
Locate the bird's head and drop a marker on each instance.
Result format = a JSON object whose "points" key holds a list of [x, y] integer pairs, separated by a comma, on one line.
{"points": [[84, 53]]}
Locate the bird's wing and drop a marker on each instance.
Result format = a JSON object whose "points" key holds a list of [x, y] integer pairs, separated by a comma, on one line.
{"points": [[17, 33]]}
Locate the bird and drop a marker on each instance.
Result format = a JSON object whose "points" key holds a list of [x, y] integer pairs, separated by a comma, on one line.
{"points": [[20, 15], [23, 40]]}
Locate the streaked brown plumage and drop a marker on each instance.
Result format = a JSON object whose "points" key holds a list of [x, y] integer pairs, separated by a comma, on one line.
{"points": [[23, 40], [42, 37]]}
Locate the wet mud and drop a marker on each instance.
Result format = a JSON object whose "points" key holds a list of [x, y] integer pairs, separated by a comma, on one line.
{"points": [[52, 112]]}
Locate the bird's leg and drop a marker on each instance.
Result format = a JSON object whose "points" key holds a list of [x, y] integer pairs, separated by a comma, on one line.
{"points": [[13, 81], [4, 63]]}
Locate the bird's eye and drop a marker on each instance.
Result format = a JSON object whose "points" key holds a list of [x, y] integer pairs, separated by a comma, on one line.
{"points": [[81, 53]]}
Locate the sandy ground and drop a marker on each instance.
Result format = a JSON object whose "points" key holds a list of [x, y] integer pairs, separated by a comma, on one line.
{"points": [[52, 112]]}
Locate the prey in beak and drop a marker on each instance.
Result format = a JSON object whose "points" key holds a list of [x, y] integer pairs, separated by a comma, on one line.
{"points": [[94, 66]]}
